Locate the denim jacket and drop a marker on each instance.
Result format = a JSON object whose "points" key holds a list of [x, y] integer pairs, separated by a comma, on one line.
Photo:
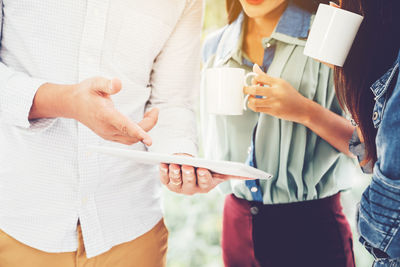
{"points": [[379, 210]]}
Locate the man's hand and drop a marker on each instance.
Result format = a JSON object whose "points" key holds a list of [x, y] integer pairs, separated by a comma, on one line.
{"points": [[95, 109], [89, 102]]}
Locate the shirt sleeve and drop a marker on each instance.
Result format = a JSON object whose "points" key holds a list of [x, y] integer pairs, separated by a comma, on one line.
{"points": [[17, 91], [388, 137], [378, 214], [175, 85]]}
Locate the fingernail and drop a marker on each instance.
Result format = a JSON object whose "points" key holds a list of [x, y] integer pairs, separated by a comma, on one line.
{"points": [[176, 171], [164, 170], [147, 141], [188, 172], [257, 68], [202, 173]]}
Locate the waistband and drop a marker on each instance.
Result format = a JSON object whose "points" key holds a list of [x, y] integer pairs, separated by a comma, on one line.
{"points": [[311, 207]]}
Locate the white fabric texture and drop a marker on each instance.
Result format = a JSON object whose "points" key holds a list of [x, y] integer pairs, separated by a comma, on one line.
{"points": [[48, 180]]}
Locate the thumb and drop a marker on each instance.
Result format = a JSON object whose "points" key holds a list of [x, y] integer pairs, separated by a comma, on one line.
{"points": [[257, 69], [149, 119], [105, 86], [115, 86]]}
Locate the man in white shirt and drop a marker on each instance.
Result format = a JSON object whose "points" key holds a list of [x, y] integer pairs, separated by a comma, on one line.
{"points": [[59, 204]]}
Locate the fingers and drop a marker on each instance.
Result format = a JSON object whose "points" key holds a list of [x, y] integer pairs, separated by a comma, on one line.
{"points": [[189, 180], [257, 90], [164, 176], [175, 179], [258, 102], [123, 139], [204, 178], [264, 79], [128, 127], [149, 119]]}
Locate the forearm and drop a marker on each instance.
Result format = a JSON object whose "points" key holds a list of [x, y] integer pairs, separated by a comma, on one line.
{"points": [[331, 127], [52, 101]]}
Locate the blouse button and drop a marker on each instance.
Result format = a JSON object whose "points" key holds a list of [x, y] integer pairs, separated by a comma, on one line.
{"points": [[375, 116], [268, 45], [249, 150], [254, 189]]}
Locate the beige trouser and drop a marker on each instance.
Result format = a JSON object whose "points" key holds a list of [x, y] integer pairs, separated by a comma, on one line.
{"points": [[149, 250]]}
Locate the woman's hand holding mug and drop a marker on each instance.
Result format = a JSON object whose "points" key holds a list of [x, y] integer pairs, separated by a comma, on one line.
{"points": [[276, 97]]}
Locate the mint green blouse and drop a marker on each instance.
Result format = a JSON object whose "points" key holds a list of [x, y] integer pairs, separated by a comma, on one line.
{"points": [[303, 165]]}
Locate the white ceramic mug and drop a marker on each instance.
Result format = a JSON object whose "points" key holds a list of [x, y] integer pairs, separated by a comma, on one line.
{"points": [[332, 34], [224, 90]]}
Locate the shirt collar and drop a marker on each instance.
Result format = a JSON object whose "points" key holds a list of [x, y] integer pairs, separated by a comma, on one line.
{"points": [[292, 28], [382, 84]]}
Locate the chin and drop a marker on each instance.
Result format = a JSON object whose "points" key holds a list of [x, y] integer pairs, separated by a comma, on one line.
{"points": [[254, 11]]}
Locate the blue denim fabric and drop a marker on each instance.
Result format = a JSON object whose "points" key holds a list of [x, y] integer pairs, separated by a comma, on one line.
{"points": [[387, 263], [379, 210]]}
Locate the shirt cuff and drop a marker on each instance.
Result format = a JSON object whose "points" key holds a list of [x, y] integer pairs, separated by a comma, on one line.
{"points": [[17, 101]]}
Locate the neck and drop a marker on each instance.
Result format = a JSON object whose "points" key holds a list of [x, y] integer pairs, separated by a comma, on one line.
{"points": [[263, 26]]}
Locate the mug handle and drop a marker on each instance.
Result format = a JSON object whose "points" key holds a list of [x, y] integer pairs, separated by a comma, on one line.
{"points": [[248, 75]]}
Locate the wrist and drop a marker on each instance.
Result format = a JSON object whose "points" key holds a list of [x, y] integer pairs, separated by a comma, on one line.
{"points": [[68, 99], [51, 101], [306, 111]]}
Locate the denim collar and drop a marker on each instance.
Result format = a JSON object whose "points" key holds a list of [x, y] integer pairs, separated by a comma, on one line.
{"points": [[292, 28], [381, 85]]}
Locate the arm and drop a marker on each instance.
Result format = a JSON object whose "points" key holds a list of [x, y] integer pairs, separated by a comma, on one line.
{"points": [[27, 101], [283, 101], [175, 85], [89, 102], [331, 127]]}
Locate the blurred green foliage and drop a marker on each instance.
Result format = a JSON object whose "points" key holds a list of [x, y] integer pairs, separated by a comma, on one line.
{"points": [[195, 222]]}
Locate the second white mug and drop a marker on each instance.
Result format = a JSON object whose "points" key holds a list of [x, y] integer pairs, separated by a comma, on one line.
{"points": [[224, 90], [332, 34]]}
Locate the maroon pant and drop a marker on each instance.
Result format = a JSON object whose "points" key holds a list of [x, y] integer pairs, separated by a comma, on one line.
{"points": [[304, 234]]}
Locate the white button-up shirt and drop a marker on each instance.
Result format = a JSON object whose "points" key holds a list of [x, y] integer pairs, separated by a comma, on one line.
{"points": [[48, 180]]}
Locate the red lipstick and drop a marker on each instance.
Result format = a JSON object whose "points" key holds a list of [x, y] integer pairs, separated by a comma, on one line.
{"points": [[255, 2]]}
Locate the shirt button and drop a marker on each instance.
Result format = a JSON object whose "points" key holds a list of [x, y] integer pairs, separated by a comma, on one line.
{"points": [[375, 116], [254, 189], [254, 210], [249, 150], [268, 45]]}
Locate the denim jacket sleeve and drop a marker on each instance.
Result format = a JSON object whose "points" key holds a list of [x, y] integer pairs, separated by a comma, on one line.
{"points": [[379, 210]]}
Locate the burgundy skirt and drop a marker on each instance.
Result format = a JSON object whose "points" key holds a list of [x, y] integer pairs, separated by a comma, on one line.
{"points": [[303, 234]]}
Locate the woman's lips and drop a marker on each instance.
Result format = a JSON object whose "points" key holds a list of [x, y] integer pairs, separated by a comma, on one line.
{"points": [[255, 2]]}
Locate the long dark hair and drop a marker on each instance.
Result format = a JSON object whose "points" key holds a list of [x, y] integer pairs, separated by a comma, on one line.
{"points": [[234, 8], [373, 52]]}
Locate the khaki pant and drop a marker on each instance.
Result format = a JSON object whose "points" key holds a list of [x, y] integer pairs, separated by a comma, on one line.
{"points": [[149, 250]]}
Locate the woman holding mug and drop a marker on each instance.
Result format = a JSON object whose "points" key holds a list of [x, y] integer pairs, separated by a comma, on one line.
{"points": [[293, 130]]}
